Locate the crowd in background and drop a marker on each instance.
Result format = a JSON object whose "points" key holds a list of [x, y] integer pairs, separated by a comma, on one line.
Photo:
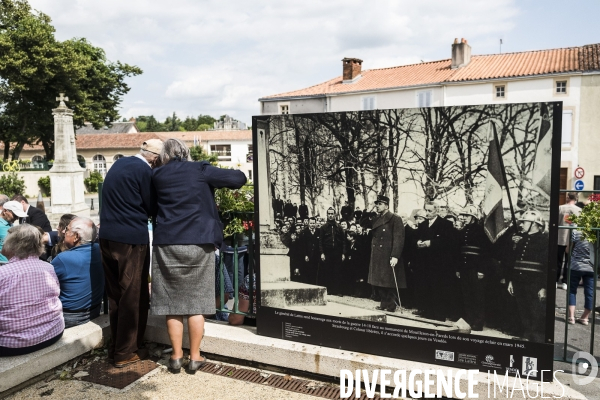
{"points": [[450, 268], [51, 280]]}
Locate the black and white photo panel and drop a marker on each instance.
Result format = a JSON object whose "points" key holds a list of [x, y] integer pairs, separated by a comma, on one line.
{"points": [[424, 234]]}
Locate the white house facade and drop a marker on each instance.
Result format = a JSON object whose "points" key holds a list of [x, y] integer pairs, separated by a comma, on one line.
{"points": [[570, 75]]}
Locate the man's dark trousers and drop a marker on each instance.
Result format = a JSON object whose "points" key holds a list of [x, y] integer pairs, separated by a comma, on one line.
{"points": [[126, 268]]}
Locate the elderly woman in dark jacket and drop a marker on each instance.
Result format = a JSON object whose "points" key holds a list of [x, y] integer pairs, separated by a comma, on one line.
{"points": [[187, 230]]}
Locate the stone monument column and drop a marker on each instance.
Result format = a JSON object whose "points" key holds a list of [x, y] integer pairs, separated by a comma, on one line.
{"points": [[66, 175]]}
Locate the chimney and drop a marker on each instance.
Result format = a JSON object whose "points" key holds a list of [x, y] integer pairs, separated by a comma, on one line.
{"points": [[352, 67], [461, 53]]}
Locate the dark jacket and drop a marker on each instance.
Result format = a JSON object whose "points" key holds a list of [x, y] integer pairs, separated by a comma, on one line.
{"points": [[387, 241], [36, 217], [332, 238], [303, 211], [474, 247], [530, 259], [127, 202], [185, 198]]}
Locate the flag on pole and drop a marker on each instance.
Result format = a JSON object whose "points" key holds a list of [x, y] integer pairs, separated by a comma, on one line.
{"points": [[541, 176], [493, 221]]}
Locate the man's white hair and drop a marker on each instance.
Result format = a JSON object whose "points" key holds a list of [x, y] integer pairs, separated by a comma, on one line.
{"points": [[85, 229]]}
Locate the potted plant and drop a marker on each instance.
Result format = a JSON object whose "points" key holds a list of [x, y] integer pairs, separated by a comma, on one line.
{"points": [[588, 221], [236, 210]]}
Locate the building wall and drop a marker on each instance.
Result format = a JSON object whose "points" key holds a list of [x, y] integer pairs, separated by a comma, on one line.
{"points": [[303, 106], [589, 129], [239, 153], [402, 98]]}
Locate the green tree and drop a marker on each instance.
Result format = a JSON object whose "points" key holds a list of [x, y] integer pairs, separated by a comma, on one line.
{"points": [[206, 120], [172, 123], [35, 67], [11, 184], [197, 153], [92, 182]]}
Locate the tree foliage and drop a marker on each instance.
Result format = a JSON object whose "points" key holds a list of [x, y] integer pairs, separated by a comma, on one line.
{"points": [[11, 184], [91, 183], [438, 153], [197, 153], [35, 67], [173, 123]]}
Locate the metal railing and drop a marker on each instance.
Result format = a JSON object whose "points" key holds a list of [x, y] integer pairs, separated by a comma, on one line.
{"points": [[247, 217], [567, 292]]}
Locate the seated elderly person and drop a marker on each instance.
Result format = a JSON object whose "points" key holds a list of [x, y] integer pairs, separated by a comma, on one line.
{"points": [[30, 311], [11, 210], [80, 273]]}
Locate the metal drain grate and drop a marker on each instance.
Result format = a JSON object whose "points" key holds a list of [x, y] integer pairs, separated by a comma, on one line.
{"points": [[106, 374], [277, 381]]}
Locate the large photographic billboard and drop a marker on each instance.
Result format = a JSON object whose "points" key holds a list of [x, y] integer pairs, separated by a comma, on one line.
{"points": [[425, 234]]}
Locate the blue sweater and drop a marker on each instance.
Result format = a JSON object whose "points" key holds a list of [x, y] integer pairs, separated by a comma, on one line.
{"points": [[127, 202], [185, 196], [81, 277]]}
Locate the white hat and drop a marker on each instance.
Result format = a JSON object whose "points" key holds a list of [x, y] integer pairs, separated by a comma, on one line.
{"points": [[15, 207]]}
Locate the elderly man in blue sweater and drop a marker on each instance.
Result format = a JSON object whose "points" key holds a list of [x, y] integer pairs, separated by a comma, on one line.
{"points": [[80, 274], [127, 202]]}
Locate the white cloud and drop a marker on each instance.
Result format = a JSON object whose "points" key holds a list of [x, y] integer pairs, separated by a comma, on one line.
{"points": [[221, 56]]}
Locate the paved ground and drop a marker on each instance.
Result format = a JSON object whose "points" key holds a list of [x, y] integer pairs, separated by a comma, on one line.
{"points": [[158, 384], [578, 339]]}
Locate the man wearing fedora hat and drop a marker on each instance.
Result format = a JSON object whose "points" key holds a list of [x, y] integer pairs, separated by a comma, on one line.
{"points": [[127, 202], [386, 267]]}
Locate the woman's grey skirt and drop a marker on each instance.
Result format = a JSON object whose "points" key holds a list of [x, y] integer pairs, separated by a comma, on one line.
{"points": [[183, 280]]}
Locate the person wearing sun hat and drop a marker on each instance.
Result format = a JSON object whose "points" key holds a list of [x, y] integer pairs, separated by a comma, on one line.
{"points": [[11, 210], [127, 202]]}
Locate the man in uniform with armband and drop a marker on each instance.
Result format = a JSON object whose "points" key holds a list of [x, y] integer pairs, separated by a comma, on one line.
{"points": [[528, 275], [472, 265]]}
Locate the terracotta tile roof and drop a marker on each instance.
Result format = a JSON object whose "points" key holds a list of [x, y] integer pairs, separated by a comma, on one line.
{"points": [[107, 141], [206, 136], [492, 66], [135, 140]]}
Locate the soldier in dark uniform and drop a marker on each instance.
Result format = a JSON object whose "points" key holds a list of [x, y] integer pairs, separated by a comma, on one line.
{"points": [[278, 206], [295, 253], [310, 245], [303, 211], [357, 214], [472, 266], [528, 275], [332, 245], [346, 212], [288, 209]]}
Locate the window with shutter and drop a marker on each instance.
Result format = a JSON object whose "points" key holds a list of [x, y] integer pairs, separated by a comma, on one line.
{"points": [[567, 127], [424, 98], [368, 103]]}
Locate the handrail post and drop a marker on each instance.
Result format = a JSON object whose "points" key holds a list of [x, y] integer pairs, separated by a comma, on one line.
{"points": [[236, 282], [567, 292], [251, 267], [222, 280], [594, 294]]}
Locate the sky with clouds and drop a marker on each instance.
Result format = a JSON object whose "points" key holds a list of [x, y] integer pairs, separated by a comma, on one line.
{"points": [[219, 57]]}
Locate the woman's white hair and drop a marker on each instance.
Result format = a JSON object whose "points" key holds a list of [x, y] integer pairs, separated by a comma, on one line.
{"points": [[172, 149], [24, 241]]}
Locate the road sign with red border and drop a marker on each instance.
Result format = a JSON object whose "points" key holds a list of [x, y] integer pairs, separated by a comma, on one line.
{"points": [[579, 172]]}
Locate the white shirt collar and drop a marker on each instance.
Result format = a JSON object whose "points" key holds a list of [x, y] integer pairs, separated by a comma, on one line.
{"points": [[431, 221], [143, 159]]}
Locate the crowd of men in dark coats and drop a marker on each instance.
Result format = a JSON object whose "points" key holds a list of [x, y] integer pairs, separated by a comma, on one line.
{"points": [[443, 268]]}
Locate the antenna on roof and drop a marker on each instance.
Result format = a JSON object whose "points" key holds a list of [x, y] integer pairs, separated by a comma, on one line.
{"points": [[500, 46]]}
